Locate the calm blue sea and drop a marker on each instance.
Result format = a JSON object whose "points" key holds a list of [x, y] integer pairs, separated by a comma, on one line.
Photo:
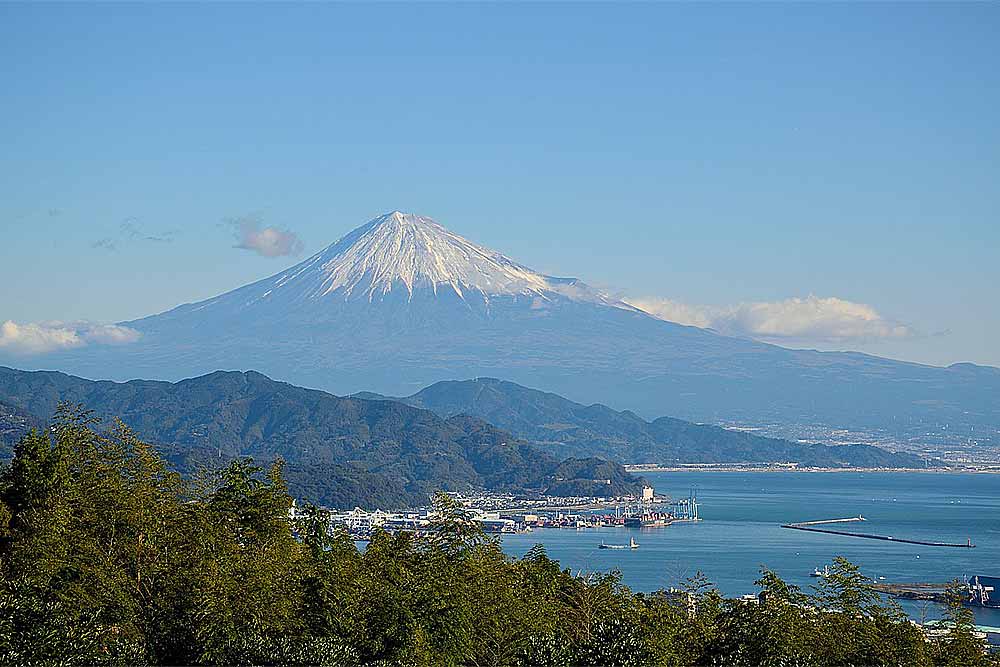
{"points": [[742, 513]]}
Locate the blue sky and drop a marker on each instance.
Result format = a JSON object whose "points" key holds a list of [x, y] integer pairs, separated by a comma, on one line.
{"points": [[713, 161]]}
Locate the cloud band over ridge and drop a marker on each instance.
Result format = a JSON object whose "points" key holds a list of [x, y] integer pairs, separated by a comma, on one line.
{"points": [[828, 319], [40, 337]]}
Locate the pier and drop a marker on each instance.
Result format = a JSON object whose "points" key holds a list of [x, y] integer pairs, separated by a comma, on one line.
{"points": [[810, 526]]}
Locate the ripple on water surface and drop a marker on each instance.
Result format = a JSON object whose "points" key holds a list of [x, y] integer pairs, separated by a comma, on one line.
{"points": [[741, 531]]}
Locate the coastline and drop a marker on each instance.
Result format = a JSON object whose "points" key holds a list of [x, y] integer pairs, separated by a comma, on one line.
{"points": [[765, 468]]}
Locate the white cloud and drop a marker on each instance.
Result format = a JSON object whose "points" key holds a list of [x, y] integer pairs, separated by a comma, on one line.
{"points": [[266, 241], [35, 338], [39, 337], [811, 318], [675, 311], [109, 334]]}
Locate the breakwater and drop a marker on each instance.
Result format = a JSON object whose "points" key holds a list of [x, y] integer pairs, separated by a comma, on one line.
{"points": [[822, 521], [810, 526]]}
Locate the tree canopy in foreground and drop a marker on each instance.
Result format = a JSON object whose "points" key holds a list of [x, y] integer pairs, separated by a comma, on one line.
{"points": [[109, 557]]}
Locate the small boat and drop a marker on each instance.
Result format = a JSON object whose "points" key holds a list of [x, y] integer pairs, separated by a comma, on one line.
{"points": [[820, 574], [632, 544]]}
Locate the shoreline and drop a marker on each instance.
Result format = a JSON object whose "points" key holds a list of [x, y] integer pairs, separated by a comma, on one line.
{"points": [[764, 468]]}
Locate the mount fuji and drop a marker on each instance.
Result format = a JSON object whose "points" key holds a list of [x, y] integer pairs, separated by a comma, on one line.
{"points": [[401, 302]]}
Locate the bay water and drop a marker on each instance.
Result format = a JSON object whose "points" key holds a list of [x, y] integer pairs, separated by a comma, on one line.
{"points": [[743, 512]]}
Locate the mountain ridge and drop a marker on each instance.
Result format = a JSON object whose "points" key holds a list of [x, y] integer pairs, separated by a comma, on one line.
{"points": [[565, 428], [402, 315], [342, 451]]}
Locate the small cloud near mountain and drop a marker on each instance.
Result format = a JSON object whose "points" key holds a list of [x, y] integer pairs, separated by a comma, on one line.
{"points": [[265, 241], [39, 337], [811, 318]]}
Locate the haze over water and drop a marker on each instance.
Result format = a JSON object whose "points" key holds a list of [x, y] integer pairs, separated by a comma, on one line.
{"points": [[741, 530]]}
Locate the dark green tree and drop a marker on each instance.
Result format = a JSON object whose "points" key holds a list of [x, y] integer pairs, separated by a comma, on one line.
{"points": [[107, 556], [959, 647]]}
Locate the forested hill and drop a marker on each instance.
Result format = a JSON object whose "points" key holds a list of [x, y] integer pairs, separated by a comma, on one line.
{"points": [[341, 451], [565, 428], [107, 560]]}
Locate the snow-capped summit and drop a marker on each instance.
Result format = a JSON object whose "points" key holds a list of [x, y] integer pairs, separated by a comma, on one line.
{"points": [[401, 302], [404, 252]]}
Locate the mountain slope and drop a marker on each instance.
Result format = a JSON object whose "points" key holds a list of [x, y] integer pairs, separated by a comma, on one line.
{"points": [[401, 303], [340, 450], [565, 428]]}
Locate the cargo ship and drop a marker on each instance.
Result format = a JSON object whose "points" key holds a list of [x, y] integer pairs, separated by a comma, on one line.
{"points": [[649, 520], [984, 592], [644, 516], [632, 544]]}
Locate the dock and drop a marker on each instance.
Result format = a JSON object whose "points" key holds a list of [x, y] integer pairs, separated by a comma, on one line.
{"points": [[810, 526], [915, 591]]}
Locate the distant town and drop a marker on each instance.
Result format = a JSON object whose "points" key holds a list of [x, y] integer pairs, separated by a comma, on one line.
{"points": [[506, 513], [975, 450]]}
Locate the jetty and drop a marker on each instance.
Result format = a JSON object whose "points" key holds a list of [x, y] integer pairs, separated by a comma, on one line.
{"points": [[822, 521], [811, 526]]}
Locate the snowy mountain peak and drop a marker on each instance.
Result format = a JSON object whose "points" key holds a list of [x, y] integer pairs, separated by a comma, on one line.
{"points": [[406, 251]]}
